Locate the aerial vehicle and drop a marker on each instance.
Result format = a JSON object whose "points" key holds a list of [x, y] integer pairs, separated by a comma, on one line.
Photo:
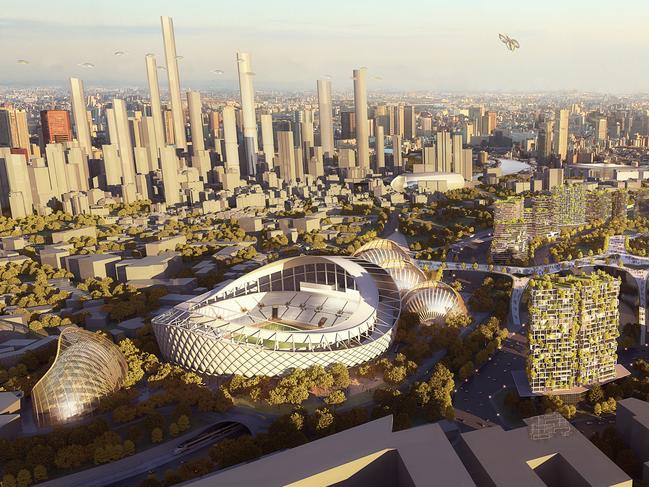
{"points": [[512, 44], [22, 61], [217, 71], [119, 53], [86, 65]]}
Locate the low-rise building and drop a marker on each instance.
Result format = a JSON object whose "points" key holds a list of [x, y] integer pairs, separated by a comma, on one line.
{"points": [[548, 451], [167, 244], [66, 235], [149, 267], [632, 425], [91, 265], [367, 455]]}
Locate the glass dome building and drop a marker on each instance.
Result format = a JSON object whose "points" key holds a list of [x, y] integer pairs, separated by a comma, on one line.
{"points": [[395, 260], [86, 368], [432, 301]]}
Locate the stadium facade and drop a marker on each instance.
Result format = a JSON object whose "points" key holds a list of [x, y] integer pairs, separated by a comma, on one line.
{"points": [[293, 313]]}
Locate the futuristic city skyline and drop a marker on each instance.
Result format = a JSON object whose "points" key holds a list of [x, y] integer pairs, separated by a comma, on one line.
{"points": [[410, 46]]}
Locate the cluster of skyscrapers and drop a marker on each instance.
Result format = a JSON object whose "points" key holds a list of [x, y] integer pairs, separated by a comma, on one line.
{"points": [[168, 154]]}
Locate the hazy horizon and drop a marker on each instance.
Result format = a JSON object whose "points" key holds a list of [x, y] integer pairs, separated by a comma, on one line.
{"points": [[408, 46]]}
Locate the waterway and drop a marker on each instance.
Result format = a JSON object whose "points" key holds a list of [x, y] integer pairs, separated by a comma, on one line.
{"points": [[511, 166]]}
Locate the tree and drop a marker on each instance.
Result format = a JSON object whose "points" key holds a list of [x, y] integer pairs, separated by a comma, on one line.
{"points": [[173, 429], [156, 435], [395, 375], [596, 394], [441, 385], [287, 431], [70, 456], [24, 478], [183, 423], [568, 411], [597, 409], [40, 473], [129, 448], [8, 480], [457, 319], [322, 421], [340, 375], [124, 413], [40, 455], [229, 452], [466, 370], [101, 455], [335, 398]]}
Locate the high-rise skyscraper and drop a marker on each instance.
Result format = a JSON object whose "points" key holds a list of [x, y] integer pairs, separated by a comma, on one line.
{"points": [[247, 92], [169, 168], [267, 142], [156, 105], [444, 152], [196, 121], [174, 82], [230, 138], [326, 122], [360, 105], [475, 116], [379, 149], [15, 189], [409, 122], [286, 155], [347, 125], [80, 117], [544, 141], [399, 120], [124, 141], [397, 157], [560, 142], [489, 121], [14, 131], [56, 126], [601, 129]]}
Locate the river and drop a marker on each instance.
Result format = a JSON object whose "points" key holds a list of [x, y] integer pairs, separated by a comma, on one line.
{"points": [[511, 166]]}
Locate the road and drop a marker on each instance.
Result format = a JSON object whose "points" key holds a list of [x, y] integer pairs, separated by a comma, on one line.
{"points": [[158, 457], [474, 397], [391, 230]]}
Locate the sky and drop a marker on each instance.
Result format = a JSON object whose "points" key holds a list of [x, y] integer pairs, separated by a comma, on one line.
{"points": [[407, 45]]}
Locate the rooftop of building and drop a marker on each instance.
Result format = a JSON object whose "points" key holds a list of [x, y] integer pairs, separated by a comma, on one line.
{"points": [[370, 454], [547, 451]]}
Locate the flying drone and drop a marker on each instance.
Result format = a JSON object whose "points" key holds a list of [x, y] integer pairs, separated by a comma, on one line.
{"points": [[512, 44]]}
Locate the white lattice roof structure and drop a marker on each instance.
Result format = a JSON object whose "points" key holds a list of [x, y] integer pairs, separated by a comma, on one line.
{"points": [[294, 313]]}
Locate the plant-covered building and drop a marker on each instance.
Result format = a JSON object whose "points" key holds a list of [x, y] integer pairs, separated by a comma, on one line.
{"points": [[572, 332]]}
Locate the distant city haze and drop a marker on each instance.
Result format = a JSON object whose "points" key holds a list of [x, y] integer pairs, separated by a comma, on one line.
{"points": [[585, 45]]}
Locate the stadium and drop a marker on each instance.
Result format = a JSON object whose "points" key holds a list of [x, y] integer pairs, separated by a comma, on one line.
{"points": [[293, 313]]}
